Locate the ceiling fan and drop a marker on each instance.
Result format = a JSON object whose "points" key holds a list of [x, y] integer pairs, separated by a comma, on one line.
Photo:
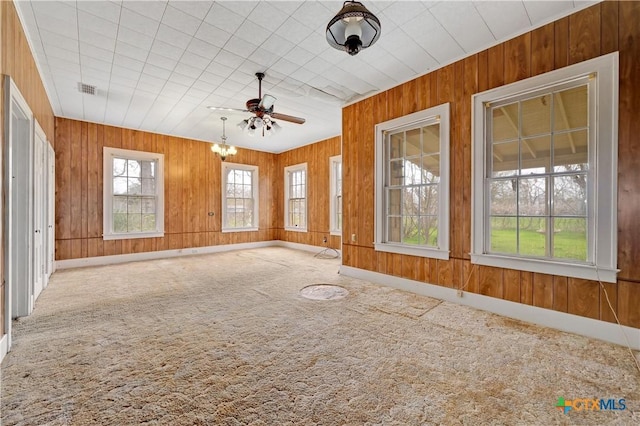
{"points": [[264, 116]]}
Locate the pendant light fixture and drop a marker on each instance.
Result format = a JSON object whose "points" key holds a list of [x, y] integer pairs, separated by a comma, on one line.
{"points": [[354, 28], [224, 150]]}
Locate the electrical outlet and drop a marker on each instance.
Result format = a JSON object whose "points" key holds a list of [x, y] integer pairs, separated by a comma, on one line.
{"points": [[324, 239], [459, 293], [354, 238]]}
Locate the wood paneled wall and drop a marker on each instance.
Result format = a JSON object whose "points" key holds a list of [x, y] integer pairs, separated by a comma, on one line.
{"points": [[598, 30], [318, 192], [17, 61], [192, 190]]}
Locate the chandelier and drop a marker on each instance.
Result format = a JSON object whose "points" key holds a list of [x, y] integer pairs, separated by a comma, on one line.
{"points": [[262, 125], [224, 150]]}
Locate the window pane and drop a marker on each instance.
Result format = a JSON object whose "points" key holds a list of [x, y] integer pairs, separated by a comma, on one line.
{"points": [[429, 200], [536, 116], [429, 230], [570, 195], [134, 205], [133, 168], [505, 159], [394, 229], [532, 197], [411, 230], [503, 197], [119, 222], [411, 198], [505, 123], [148, 205], [134, 186], [395, 145], [134, 222], [504, 235], [535, 155], [148, 186], [431, 139], [570, 238], [570, 151], [396, 173], [119, 204], [119, 167], [431, 168], [120, 185], [394, 201], [413, 144], [571, 108], [413, 172], [533, 236], [147, 169], [148, 222]]}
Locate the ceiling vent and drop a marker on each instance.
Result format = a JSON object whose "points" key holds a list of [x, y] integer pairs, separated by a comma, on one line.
{"points": [[87, 89]]}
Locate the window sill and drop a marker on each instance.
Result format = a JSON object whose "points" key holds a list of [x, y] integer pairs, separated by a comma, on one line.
{"points": [[430, 252], [564, 269], [295, 229], [132, 236], [239, 229]]}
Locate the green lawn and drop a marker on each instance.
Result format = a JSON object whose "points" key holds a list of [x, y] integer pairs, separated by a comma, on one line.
{"points": [[567, 245]]}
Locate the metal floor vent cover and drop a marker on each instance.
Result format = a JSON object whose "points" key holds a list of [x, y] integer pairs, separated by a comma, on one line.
{"points": [[323, 292]]}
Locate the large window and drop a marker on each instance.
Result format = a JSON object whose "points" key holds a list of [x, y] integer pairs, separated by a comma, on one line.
{"points": [[295, 200], [545, 172], [335, 202], [412, 184], [133, 194], [239, 197]]}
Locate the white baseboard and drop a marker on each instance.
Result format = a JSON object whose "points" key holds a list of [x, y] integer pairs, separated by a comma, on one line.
{"points": [[303, 247], [136, 257], [588, 327], [4, 348]]}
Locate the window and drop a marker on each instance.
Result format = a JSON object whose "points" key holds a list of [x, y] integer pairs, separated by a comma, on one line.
{"points": [[335, 203], [295, 202], [412, 184], [133, 194], [545, 172], [240, 197]]}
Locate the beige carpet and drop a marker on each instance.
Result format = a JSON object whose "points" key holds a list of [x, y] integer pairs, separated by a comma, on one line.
{"points": [[226, 339]]}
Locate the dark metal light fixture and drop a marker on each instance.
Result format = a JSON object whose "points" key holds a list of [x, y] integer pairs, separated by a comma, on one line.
{"points": [[354, 28]]}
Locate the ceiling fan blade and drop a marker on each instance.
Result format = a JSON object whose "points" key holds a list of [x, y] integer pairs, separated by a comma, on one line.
{"points": [[267, 102], [286, 117], [215, 108]]}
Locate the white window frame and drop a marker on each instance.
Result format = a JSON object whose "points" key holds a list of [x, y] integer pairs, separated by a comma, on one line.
{"points": [[107, 212], [255, 195], [603, 165], [438, 114], [287, 171], [334, 161]]}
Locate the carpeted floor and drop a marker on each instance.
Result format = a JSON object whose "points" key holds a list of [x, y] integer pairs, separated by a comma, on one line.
{"points": [[226, 339]]}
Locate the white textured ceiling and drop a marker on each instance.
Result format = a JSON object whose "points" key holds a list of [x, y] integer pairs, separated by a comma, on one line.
{"points": [[157, 65]]}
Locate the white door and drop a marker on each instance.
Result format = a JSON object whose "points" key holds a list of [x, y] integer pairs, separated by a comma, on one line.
{"points": [[18, 188], [39, 211], [51, 217]]}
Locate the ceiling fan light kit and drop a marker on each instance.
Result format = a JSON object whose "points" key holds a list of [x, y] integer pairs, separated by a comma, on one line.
{"points": [[262, 122], [224, 150], [354, 28]]}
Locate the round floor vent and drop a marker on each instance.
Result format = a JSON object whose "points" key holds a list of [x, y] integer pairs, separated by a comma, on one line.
{"points": [[323, 292]]}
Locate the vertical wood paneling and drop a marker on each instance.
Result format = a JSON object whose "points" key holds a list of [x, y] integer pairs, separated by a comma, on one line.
{"points": [[584, 35], [192, 189], [495, 77], [512, 285], [628, 143], [517, 58], [543, 290], [583, 298], [560, 294], [609, 25], [526, 288], [542, 49], [629, 303], [491, 281], [561, 42]]}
